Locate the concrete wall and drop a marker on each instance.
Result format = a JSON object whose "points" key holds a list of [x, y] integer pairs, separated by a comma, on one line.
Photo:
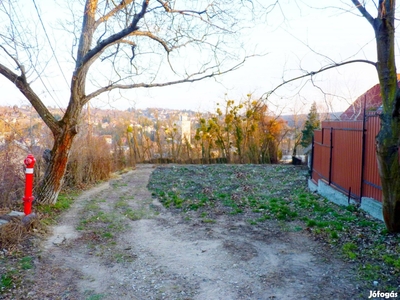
{"points": [[369, 205]]}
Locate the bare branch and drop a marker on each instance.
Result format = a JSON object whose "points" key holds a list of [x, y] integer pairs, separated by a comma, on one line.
{"points": [[153, 37], [185, 11], [188, 79], [193, 13], [116, 9], [364, 12], [24, 87], [310, 74], [112, 54], [21, 67], [96, 51]]}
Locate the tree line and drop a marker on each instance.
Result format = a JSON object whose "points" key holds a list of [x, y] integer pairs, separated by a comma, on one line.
{"points": [[243, 131]]}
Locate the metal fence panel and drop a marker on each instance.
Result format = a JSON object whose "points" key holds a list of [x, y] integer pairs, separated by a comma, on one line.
{"points": [[344, 156], [321, 157], [371, 181]]}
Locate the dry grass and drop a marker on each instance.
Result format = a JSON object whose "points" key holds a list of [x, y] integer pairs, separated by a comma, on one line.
{"points": [[12, 233], [90, 162]]}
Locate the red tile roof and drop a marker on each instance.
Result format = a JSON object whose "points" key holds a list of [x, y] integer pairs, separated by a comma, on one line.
{"points": [[372, 101]]}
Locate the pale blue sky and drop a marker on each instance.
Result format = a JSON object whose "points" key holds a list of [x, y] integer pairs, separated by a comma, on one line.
{"points": [[303, 38]]}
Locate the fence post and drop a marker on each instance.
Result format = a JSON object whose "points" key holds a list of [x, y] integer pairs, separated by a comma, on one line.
{"points": [[312, 156], [363, 150]]}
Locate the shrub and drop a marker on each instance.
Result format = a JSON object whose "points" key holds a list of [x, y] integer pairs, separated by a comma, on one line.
{"points": [[12, 180], [90, 161]]}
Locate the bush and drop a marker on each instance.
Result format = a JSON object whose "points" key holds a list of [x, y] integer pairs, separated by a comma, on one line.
{"points": [[90, 161], [12, 180]]}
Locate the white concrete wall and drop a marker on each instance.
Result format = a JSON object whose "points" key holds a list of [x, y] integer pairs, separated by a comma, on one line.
{"points": [[369, 205]]}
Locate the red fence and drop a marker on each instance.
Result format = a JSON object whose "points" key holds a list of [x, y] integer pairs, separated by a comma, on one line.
{"points": [[344, 157]]}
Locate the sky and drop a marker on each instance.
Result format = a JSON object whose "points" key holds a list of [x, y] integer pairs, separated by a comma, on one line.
{"points": [[296, 37]]}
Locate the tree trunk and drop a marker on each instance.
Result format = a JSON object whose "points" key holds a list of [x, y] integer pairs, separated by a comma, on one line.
{"points": [[389, 170], [387, 141], [52, 181]]}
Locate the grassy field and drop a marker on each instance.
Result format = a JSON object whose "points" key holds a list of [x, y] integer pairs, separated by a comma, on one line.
{"points": [[263, 193]]}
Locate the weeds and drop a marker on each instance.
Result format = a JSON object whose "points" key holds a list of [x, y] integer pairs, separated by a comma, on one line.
{"points": [[14, 232], [134, 215], [95, 296], [120, 258], [348, 250], [6, 281], [50, 213], [392, 261], [122, 205], [26, 262], [206, 220], [264, 193]]}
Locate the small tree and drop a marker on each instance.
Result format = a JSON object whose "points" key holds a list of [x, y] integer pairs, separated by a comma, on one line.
{"points": [[172, 137], [224, 127], [204, 135], [274, 130], [310, 125], [131, 138]]}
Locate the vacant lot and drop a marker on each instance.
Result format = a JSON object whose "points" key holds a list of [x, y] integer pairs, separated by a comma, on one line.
{"points": [[209, 232]]}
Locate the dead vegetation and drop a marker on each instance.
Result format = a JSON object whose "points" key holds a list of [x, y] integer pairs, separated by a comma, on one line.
{"points": [[18, 228], [90, 163]]}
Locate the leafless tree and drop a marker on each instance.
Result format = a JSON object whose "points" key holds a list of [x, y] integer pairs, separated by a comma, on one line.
{"points": [[118, 46]]}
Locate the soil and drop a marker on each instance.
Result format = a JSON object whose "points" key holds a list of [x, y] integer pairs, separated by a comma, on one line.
{"points": [[162, 254]]}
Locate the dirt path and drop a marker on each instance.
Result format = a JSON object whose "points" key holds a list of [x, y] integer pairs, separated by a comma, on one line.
{"points": [[130, 247]]}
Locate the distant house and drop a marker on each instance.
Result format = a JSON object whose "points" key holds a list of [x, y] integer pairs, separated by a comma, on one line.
{"points": [[184, 126], [371, 100]]}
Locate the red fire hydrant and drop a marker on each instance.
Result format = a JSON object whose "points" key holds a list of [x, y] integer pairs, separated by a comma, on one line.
{"points": [[29, 162]]}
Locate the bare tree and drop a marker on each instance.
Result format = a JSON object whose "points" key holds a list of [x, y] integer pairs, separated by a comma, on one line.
{"points": [[136, 42]]}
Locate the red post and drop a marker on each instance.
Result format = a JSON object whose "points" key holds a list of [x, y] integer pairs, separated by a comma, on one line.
{"points": [[29, 162]]}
